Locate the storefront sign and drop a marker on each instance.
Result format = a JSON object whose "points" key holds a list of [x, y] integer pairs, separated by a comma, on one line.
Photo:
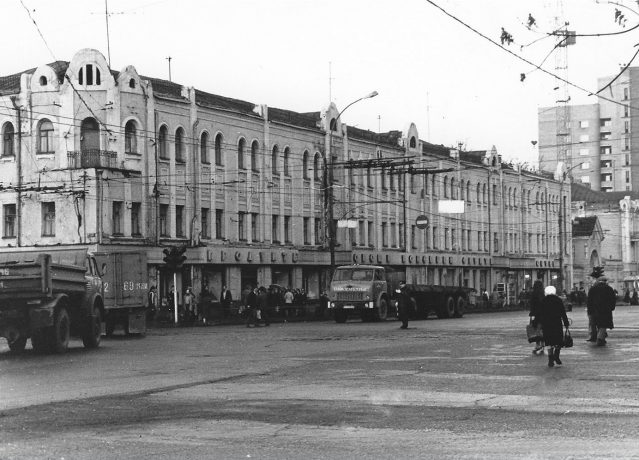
{"points": [[419, 259], [252, 256]]}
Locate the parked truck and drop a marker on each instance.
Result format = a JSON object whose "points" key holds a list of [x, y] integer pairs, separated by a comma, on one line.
{"points": [[369, 291], [125, 290], [50, 296]]}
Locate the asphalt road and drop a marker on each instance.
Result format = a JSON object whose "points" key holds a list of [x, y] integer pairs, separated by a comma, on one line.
{"points": [[458, 388]]}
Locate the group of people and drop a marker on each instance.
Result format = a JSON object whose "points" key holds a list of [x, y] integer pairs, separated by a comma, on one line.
{"points": [[191, 307], [547, 311]]}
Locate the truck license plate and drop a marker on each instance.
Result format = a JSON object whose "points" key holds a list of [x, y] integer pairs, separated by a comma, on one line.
{"points": [[349, 306]]}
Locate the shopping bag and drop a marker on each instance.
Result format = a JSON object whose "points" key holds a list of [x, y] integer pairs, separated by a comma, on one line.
{"points": [[568, 342], [533, 332]]}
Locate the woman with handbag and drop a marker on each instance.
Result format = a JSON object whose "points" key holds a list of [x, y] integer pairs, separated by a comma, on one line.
{"points": [[552, 315], [536, 297]]}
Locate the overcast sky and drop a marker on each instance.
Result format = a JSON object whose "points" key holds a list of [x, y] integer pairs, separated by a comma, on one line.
{"points": [[428, 68]]}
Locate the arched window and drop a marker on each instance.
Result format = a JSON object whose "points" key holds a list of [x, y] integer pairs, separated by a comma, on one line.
{"points": [[255, 148], [8, 134], [484, 195], [204, 147], [89, 135], [468, 187], [382, 176], [287, 155], [369, 179], [45, 137], [218, 149], [413, 142], [89, 74], [274, 160], [317, 166], [179, 145], [241, 145], [433, 183], [163, 139], [478, 192], [305, 164], [43, 81], [445, 186], [391, 178], [130, 137], [453, 188]]}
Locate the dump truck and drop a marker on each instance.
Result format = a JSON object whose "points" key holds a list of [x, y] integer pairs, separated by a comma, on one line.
{"points": [[48, 297], [52, 295], [369, 291]]}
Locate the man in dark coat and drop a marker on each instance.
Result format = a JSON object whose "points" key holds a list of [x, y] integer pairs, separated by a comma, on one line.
{"points": [[601, 303], [403, 304], [551, 315], [225, 300], [263, 306]]}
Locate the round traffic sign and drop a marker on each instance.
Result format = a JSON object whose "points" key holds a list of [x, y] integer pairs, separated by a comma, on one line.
{"points": [[421, 221]]}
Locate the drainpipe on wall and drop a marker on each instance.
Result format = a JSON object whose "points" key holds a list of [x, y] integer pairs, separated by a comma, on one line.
{"points": [[19, 172]]}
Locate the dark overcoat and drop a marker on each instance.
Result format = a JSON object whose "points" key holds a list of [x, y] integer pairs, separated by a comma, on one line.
{"points": [[601, 303], [404, 305], [552, 314]]}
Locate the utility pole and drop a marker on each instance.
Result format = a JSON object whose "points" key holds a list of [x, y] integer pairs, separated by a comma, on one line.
{"points": [[106, 14], [169, 59]]}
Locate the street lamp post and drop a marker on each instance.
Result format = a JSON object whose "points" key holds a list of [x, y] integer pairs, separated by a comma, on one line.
{"points": [[328, 179]]}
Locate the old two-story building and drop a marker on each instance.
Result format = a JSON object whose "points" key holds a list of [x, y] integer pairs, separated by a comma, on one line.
{"points": [[259, 195]]}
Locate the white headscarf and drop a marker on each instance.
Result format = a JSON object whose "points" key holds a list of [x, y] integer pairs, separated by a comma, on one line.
{"points": [[550, 290]]}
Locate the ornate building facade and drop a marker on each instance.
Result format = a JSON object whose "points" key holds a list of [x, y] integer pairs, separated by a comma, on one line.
{"points": [[106, 159]]}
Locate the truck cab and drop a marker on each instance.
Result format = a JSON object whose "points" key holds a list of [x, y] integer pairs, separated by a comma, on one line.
{"points": [[359, 290]]}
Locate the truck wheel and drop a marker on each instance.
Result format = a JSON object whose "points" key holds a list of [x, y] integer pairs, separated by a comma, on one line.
{"points": [[340, 316], [58, 334], [449, 308], [17, 346], [381, 313], [93, 330], [460, 306]]}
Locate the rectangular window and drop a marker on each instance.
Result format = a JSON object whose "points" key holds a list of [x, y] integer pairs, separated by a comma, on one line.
{"points": [[48, 219], [486, 241], [446, 238], [627, 159], [401, 235], [205, 224], [318, 230], [494, 193], [479, 245], [275, 224], [627, 176], [413, 236], [435, 238], [393, 234], [117, 218], [46, 138], [584, 152], [164, 220], [495, 242], [307, 230], [287, 229], [135, 219], [255, 220], [219, 224], [626, 93], [584, 138], [585, 165], [9, 211], [605, 122], [626, 111], [604, 136], [384, 234], [605, 150], [583, 124], [179, 221], [371, 235], [626, 127], [626, 143], [362, 232], [241, 226]]}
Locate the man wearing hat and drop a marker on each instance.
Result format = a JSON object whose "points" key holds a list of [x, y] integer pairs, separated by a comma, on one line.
{"points": [[403, 304], [601, 303]]}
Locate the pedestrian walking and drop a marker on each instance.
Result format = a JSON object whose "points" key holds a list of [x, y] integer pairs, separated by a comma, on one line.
{"points": [[263, 306], [190, 305], [152, 303], [252, 316], [536, 298], [403, 304], [226, 299], [552, 314], [601, 304]]}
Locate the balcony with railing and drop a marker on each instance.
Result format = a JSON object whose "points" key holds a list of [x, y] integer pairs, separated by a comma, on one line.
{"points": [[92, 158]]}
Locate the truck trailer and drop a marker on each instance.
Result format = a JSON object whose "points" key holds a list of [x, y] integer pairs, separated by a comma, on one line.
{"points": [[369, 291]]}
